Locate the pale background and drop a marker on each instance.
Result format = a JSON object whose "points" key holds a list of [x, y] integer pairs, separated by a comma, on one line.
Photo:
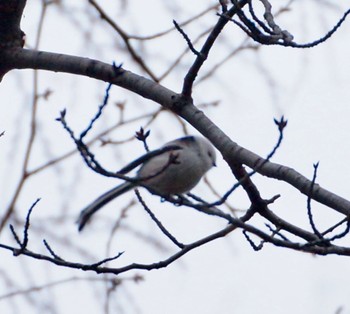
{"points": [[310, 87]]}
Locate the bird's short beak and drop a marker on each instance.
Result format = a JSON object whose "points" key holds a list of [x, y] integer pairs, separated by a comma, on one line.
{"points": [[214, 164]]}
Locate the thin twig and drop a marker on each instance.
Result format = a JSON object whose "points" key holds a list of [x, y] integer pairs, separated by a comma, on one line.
{"points": [[188, 40], [309, 212], [157, 221]]}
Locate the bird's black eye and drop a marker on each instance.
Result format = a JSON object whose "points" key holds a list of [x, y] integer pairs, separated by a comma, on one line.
{"points": [[210, 154]]}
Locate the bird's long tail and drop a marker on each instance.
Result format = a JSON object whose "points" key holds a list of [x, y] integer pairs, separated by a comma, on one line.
{"points": [[91, 209]]}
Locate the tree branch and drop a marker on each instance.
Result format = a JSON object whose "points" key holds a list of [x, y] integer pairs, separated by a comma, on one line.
{"points": [[231, 151]]}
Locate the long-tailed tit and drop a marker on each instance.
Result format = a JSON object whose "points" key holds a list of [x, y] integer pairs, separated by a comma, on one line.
{"points": [[192, 157]]}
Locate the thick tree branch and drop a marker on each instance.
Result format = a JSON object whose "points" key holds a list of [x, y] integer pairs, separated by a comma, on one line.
{"points": [[11, 36], [10, 18], [231, 151], [204, 52]]}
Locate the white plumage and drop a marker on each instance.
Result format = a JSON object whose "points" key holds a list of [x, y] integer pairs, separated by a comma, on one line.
{"points": [[194, 158]]}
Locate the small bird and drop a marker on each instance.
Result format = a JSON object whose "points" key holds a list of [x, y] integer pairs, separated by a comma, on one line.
{"points": [[192, 157]]}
